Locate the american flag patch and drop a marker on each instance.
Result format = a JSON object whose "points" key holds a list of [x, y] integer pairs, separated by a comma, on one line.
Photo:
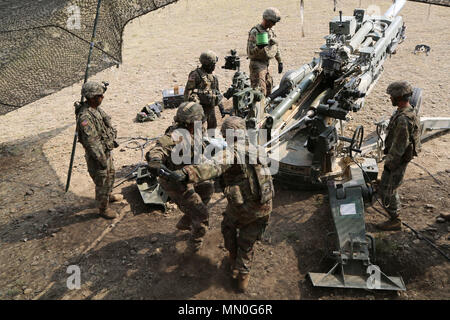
{"points": [[84, 123]]}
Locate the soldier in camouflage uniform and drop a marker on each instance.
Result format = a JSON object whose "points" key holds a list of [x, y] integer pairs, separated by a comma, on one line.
{"points": [[249, 191], [191, 199], [97, 135], [260, 55], [401, 145], [203, 87]]}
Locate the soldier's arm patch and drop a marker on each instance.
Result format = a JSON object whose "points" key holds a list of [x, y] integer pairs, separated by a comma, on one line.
{"points": [[86, 127]]}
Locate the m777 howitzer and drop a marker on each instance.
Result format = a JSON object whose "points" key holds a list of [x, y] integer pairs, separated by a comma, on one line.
{"points": [[304, 118]]}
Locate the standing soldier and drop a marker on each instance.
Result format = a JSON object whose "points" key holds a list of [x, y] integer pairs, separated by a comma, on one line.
{"points": [[401, 145], [97, 135], [191, 199], [261, 47], [203, 87], [249, 191]]}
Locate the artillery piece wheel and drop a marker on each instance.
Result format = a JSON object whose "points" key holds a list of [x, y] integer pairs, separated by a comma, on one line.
{"points": [[356, 142]]}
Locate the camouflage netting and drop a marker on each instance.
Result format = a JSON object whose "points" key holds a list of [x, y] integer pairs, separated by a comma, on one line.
{"points": [[445, 3], [44, 44]]}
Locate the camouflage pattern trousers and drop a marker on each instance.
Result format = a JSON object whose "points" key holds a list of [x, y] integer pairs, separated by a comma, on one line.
{"points": [[210, 114], [192, 201], [240, 233], [388, 189], [103, 179], [260, 77]]}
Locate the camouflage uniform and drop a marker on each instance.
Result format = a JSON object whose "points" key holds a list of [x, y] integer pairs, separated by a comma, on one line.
{"points": [[192, 199], [260, 57], [401, 145], [97, 135], [203, 88], [249, 191]]}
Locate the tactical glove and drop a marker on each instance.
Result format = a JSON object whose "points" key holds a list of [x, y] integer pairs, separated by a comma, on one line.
{"points": [[179, 176], [280, 67]]}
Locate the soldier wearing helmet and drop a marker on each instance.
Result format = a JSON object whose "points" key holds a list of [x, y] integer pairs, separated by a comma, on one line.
{"points": [[401, 145], [249, 190], [97, 135], [192, 199], [261, 47], [203, 87]]}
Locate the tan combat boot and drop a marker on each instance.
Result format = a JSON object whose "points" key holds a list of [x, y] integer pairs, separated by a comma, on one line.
{"points": [[243, 279], [115, 197], [184, 223], [446, 215], [107, 213], [390, 225]]}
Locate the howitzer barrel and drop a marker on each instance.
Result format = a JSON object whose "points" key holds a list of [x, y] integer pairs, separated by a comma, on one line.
{"points": [[395, 8], [293, 96]]}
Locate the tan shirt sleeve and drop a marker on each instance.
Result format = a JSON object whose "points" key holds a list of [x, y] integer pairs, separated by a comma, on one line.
{"points": [[191, 84]]}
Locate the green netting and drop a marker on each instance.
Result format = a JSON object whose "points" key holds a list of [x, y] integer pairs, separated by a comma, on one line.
{"points": [[44, 44]]}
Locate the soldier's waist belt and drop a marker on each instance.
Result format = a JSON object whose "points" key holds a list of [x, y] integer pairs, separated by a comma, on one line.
{"points": [[263, 61]]}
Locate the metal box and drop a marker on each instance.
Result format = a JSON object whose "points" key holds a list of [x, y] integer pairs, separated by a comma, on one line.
{"points": [[346, 27], [171, 99]]}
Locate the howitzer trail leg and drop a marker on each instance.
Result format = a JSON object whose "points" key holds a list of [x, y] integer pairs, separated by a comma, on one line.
{"points": [[353, 268]]}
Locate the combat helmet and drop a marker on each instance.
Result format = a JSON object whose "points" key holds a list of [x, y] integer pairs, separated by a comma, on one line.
{"points": [[272, 14], [233, 122], [188, 113], [208, 58], [91, 89], [400, 89]]}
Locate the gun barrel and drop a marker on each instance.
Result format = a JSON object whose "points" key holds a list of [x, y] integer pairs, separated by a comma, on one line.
{"points": [[395, 8]]}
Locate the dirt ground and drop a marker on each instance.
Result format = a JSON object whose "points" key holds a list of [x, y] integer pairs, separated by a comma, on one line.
{"points": [[43, 230]]}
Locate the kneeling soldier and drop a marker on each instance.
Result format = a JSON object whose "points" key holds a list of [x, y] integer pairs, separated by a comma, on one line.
{"points": [[191, 199], [249, 191]]}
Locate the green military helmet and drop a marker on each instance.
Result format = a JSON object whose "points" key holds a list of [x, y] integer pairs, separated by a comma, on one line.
{"points": [[189, 112], [233, 122], [272, 14], [399, 89], [208, 58], [91, 89]]}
